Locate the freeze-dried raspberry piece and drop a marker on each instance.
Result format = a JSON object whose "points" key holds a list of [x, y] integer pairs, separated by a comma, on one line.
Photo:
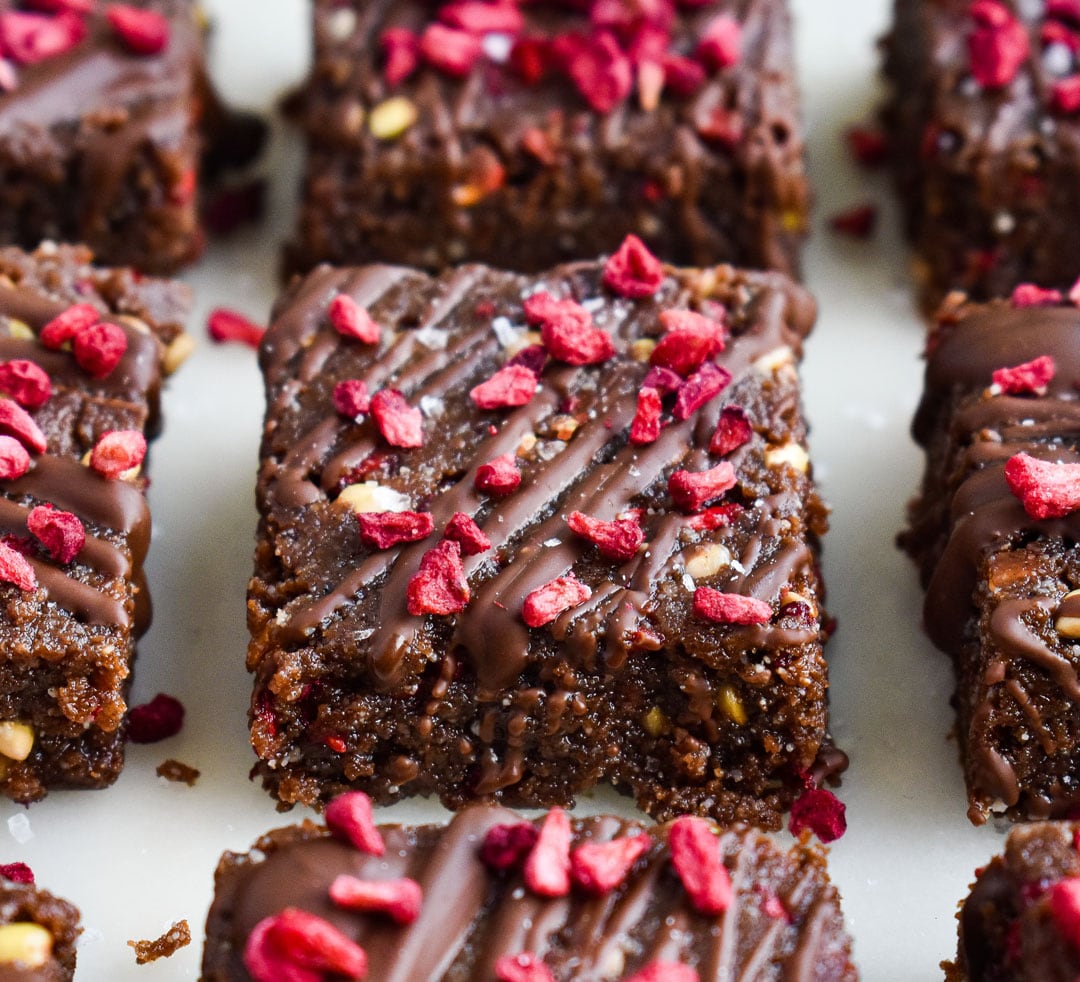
{"points": [[998, 46], [400, 424], [158, 719], [450, 51], [547, 870], [730, 608], [483, 18], [691, 490], [1046, 489], [118, 451], [228, 325], [65, 326], [351, 818], [533, 357], [567, 330], [665, 972], [522, 967], [530, 59], [1065, 94], [17, 873], [597, 66], [99, 348], [14, 460], [296, 946], [351, 320], [599, 867], [1031, 377], [695, 854], [547, 602], [386, 529], [732, 430], [633, 271], [868, 145], [60, 532], [17, 422], [31, 38], [721, 43], [701, 387], [351, 397], [27, 383], [439, 586], [14, 568], [401, 54], [399, 899], [499, 476], [1063, 899], [511, 385], [646, 425], [1030, 295], [507, 846], [618, 540], [144, 32], [683, 76], [691, 339], [464, 531], [859, 221], [664, 380], [820, 811]]}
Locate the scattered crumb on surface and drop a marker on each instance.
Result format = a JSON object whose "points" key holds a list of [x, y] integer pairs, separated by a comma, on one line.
{"points": [[175, 770], [177, 937]]}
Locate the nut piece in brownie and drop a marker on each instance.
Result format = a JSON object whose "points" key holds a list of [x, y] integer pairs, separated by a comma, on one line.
{"points": [[520, 535], [101, 107], [533, 134], [994, 530], [494, 897], [37, 930], [984, 119], [82, 353]]}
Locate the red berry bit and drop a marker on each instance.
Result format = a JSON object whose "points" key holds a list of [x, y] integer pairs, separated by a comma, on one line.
{"points": [[665, 972], [401, 54], [598, 68], [507, 846], [386, 529], [350, 320], [715, 518], [16, 569], [351, 398], [618, 540], [351, 818], [1030, 378], [499, 476], [483, 18], [646, 425], [398, 899], [664, 380], [1046, 489], [228, 325], [547, 870], [599, 867], [511, 385], [1064, 902], [295, 946], [692, 338], [567, 330], [858, 222], [732, 431], [730, 608], [464, 531], [14, 460], [439, 586], [450, 51], [17, 873], [118, 451], [695, 854], [1030, 295], [820, 811], [17, 422], [703, 386], [633, 271], [32, 38], [868, 146], [1065, 94], [998, 46], [523, 967], [158, 719], [144, 32], [533, 357], [28, 384], [690, 491], [400, 424], [721, 43], [546, 603], [99, 348], [60, 532], [65, 326]]}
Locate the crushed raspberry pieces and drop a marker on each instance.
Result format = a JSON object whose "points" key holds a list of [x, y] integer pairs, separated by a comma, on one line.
{"points": [[690, 491], [618, 540], [1046, 489], [144, 32], [820, 811], [17, 873], [868, 146], [730, 608], [692, 338], [351, 398], [1030, 295], [597, 66], [14, 460], [507, 846], [99, 348], [228, 325], [296, 946], [439, 586], [567, 330], [858, 222], [720, 516], [450, 51], [65, 326], [60, 532], [464, 531], [523, 967], [530, 59], [400, 424], [547, 869], [17, 422], [351, 818], [31, 38], [16, 569], [1031, 377], [1064, 904], [633, 271], [665, 972], [546, 603], [118, 451], [646, 425], [351, 320], [27, 383], [386, 529], [599, 867], [682, 75], [662, 379], [511, 385], [533, 357], [695, 854], [401, 54], [701, 387], [160, 718], [499, 476], [732, 431], [998, 46], [721, 43], [399, 899], [483, 18]]}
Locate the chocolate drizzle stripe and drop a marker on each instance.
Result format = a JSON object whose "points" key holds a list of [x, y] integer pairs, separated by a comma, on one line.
{"points": [[96, 553], [86, 602], [1013, 634]]}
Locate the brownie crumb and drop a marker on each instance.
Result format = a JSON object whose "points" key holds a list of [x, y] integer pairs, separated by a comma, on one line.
{"points": [[177, 937], [178, 772]]}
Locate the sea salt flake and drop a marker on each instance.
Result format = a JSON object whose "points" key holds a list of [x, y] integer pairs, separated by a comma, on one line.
{"points": [[19, 827]]}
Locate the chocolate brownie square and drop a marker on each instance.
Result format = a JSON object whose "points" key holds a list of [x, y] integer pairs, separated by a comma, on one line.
{"points": [[520, 535], [38, 931], [527, 135]]}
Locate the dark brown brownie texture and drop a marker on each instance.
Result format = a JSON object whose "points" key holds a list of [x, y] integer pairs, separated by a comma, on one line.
{"points": [[66, 648], [784, 920], [25, 904], [987, 162], [526, 174], [997, 579], [632, 686]]}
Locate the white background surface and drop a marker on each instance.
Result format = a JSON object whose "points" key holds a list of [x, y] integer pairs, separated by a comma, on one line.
{"points": [[140, 855]]}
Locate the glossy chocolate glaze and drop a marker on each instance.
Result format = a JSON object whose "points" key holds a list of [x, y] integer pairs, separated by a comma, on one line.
{"points": [[471, 917]]}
